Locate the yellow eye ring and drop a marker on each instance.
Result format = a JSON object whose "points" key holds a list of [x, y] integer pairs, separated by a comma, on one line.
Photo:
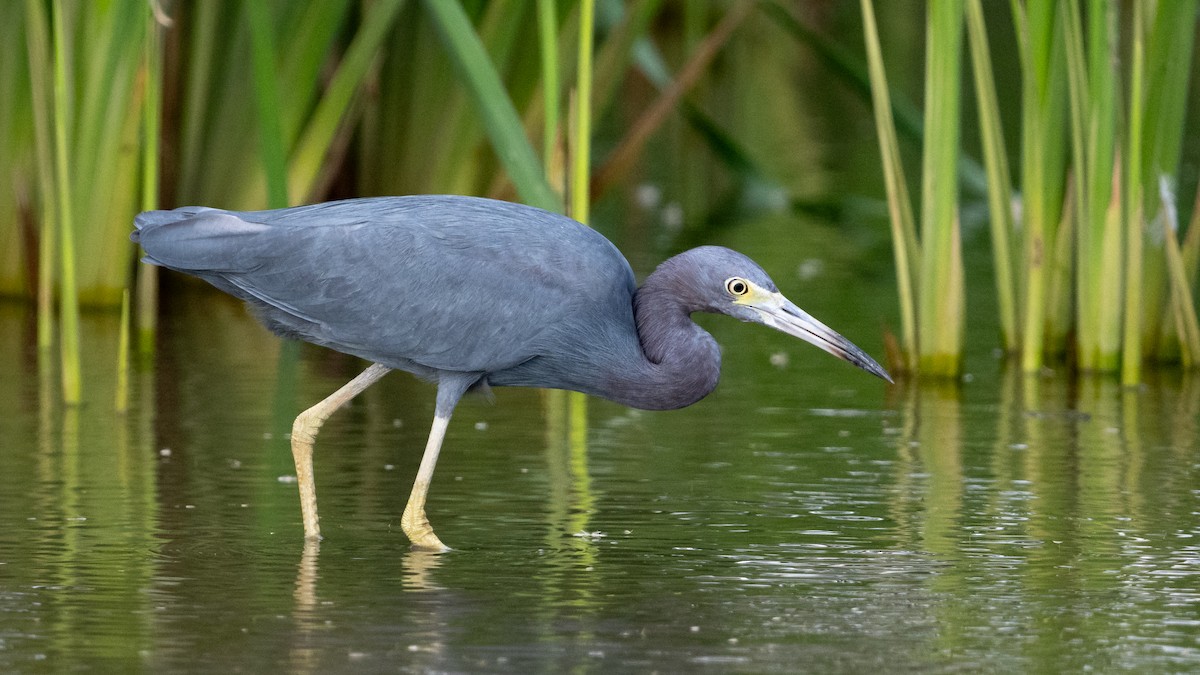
{"points": [[737, 286]]}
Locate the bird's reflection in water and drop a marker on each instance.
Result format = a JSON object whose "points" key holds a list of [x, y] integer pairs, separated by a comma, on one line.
{"points": [[306, 578], [305, 654], [315, 619], [418, 567]]}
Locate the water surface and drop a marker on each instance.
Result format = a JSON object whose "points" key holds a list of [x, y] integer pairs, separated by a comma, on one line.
{"points": [[802, 516]]}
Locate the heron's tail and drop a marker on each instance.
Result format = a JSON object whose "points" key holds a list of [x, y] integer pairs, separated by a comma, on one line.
{"points": [[148, 220], [196, 239]]}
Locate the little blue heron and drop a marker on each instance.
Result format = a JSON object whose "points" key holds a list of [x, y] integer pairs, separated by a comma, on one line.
{"points": [[468, 292]]}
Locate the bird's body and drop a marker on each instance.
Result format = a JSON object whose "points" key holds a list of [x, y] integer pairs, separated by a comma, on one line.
{"points": [[538, 300], [470, 292]]}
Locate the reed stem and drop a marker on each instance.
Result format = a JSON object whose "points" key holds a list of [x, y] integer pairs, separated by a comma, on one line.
{"points": [[121, 398], [266, 100], [582, 147], [1131, 352], [147, 275], [500, 118], [580, 179], [38, 49], [548, 40], [905, 248], [69, 348], [940, 283], [999, 180]]}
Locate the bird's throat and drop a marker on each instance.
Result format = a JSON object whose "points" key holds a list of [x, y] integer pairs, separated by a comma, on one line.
{"points": [[682, 361]]}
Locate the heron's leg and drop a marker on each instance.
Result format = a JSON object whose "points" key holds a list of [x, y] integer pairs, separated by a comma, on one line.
{"points": [[414, 522], [304, 432]]}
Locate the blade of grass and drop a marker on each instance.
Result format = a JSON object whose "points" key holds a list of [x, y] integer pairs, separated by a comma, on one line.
{"points": [[1168, 61], [1182, 305], [453, 168], [581, 127], [121, 397], [147, 275], [1082, 172], [201, 75], [69, 350], [106, 50], [37, 37], [266, 100], [1131, 351], [1043, 166], [1092, 87], [493, 103], [18, 257], [1191, 241], [548, 42], [905, 249], [999, 179], [940, 296], [333, 110], [311, 29], [1104, 191], [1058, 292], [582, 124], [1169, 52]]}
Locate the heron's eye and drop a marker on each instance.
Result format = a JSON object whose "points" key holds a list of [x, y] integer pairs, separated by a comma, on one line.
{"points": [[737, 287]]}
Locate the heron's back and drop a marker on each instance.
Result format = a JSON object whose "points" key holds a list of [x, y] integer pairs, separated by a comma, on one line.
{"points": [[422, 283]]}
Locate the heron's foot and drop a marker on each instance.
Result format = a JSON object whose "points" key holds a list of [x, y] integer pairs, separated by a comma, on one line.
{"points": [[432, 545], [418, 530]]}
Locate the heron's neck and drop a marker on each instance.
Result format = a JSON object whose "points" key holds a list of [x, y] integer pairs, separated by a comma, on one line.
{"points": [[682, 361]]}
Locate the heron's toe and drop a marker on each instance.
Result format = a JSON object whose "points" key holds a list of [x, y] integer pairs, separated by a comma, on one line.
{"points": [[433, 545]]}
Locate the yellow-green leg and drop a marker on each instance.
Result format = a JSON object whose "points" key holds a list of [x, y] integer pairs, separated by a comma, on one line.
{"points": [[304, 433], [414, 522]]}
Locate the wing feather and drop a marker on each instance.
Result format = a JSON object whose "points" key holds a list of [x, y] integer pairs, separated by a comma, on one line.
{"points": [[449, 283]]}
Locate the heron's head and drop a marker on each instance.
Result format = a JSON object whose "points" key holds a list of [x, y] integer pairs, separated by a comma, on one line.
{"points": [[720, 280]]}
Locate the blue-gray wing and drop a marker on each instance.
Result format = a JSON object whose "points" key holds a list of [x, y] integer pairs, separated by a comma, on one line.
{"points": [[443, 282]]}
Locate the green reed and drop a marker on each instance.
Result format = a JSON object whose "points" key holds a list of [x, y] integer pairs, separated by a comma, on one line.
{"points": [[37, 38], [1102, 261], [929, 267], [940, 290], [327, 131], [580, 193], [69, 350], [548, 45], [1000, 195], [1043, 172], [17, 157], [1170, 48], [357, 93], [147, 275], [121, 396], [493, 104], [266, 102], [1093, 105]]}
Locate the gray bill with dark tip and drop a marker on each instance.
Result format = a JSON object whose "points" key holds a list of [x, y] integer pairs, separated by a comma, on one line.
{"points": [[785, 316]]}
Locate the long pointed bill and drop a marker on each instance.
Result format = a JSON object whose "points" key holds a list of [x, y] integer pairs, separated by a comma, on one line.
{"points": [[781, 314]]}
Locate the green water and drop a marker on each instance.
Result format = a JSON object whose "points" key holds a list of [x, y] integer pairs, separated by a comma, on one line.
{"points": [[803, 517]]}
